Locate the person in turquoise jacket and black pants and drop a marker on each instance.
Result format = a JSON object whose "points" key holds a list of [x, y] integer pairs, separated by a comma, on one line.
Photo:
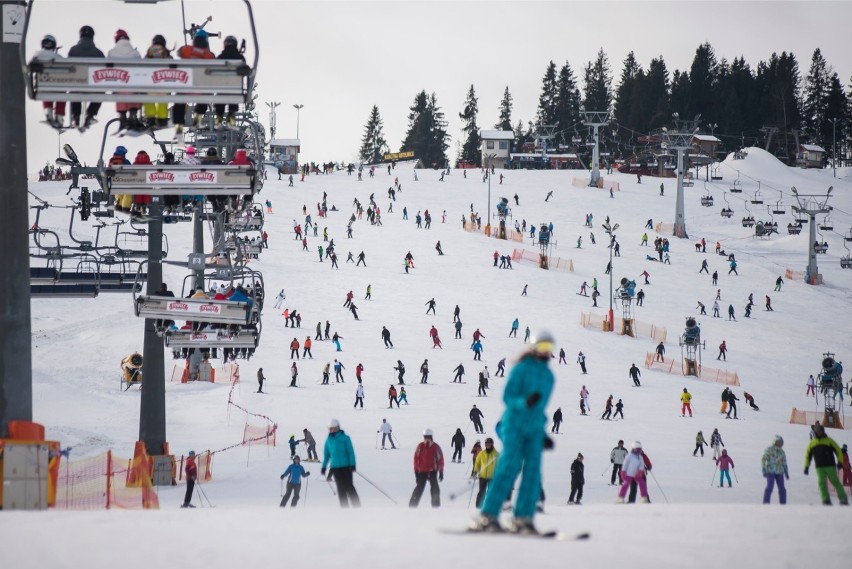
{"points": [[526, 395], [339, 456]]}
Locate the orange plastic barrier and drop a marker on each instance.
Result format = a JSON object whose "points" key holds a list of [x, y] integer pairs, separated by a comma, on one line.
{"points": [[99, 482]]}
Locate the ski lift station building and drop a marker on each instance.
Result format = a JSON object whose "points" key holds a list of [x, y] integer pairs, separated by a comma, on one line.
{"points": [[498, 143], [284, 154]]}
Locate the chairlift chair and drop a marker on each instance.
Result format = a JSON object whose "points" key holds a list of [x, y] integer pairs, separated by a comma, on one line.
{"points": [[748, 221], [827, 224], [848, 236], [756, 199], [207, 81]]}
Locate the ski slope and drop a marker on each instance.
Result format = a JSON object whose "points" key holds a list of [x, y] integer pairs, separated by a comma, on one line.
{"points": [[77, 347]]}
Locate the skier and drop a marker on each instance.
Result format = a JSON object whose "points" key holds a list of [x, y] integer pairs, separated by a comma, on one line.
{"points": [[725, 393], [716, 444], [359, 395], [369, 295], [457, 443], [700, 443], [769, 304], [400, 367], [584, 399], [633, 469], [723, 351], [387, 432], [306, 347], [811, 386], [293, 443], [514, 330], [773, 466], [704, 268], [686, 403], [607, 409], [635, 373], [54, 111], [294, 485], [715, 309], [260, 379], [403, 395], [459, 374], [701, 307], [715, 278], [524, 292], [191, 472], [661, 350], [279, 299], [326, 373], [577, 481], [823, 450], [311, 443], [526, 396], [527, 335], [424, 371], [616, 458], [476, 417], [557, 420], [458, 327], [477, 350], [392, 397], [484, 465], [456, 312], [640, 297], [483, 385], [724, 462], [778, 282], [619, 409], [339, 455], [428, 466], [581, 359], [294, 372], [386, 337], [436, 341], [733, 268], [431, 306], [562, 356], [731, 312], [732, 402], [501, 368], [338, 371]]}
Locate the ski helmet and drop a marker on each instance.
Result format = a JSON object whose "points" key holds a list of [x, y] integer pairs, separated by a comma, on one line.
{"points": [[427, 433], [48, 42], [544, 342], [296, 459], [120, 150], [334, 424], [779, 439], [231, 41], [636, 445], [121, 35], [190, 150], [159, 40], [191, 453], [87, 32]]}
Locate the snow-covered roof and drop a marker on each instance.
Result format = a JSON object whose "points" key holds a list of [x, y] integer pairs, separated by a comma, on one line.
{"points": [[496, 134], [812, 148], [706, 138], [285, 142]]}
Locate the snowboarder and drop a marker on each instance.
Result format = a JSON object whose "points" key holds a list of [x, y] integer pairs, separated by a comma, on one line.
{"points": [[769, 304], [732, 402], [577, 481], [778, 282], [428, 466], [386, 337], [619, 409], [661, 351], [483, 385], [457, 443], [339, 455], [294, 485], [750, 400], [459, 374], [476, 417], [387, 432], [294, 372], [514, 330], [431, 306], [501, 368]]}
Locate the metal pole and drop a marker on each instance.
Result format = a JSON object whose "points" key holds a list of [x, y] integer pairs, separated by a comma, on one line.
{"points": [[834, 146], [298, 111], [198, 242], [611, 315], [152, 406], [16, 393], [680, 221]]}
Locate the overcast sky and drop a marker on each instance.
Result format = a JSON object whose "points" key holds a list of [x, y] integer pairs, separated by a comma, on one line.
{"points": [[338, 59]]}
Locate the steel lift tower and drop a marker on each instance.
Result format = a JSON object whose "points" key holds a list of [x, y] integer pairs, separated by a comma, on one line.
{"points": [[595, 120], [680, 140], [812, 205]]}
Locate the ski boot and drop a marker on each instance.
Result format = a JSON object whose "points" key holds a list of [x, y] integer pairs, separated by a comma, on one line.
{"points": [[523, 526], [486, 524]]}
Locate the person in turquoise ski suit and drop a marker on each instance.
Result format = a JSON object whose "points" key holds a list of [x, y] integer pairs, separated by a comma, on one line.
{"points": [[339, 455], [526, 395]]}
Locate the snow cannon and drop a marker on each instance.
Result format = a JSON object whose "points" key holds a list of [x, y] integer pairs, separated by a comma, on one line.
{"points": [[503, 207], [831, 369], [830, 385], [691, 347], [692, 333], [131, 370]]}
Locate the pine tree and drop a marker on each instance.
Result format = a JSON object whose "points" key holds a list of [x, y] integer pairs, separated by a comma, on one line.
{"points": [[657, 93], [624, 91], [679, 101], [520, 137], [815, 103], [837, 108], [598, 80], [471, 151], [427, 131], [373, 144], [547, 99], [567, 104], [702, 84], [777, 83], [505, 122]]}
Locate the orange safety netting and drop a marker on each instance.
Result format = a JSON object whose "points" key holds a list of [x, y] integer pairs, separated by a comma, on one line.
{"points": [[602, 184], [555, 263], [792, 275], [100, 482], [664, 227], [599, 321], [708, 374], [799, 417]]}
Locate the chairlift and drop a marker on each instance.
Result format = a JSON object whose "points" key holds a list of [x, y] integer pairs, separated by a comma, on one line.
{"points": [[707, 199], [736, 185], [778, 208], [848, 236], [846, 260], [748, 221], [794, 228], [756, 199], [714, 174], [207, 81], [726, 212], [827, 224]]}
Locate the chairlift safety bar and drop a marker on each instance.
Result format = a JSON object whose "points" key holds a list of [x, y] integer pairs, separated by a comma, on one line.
{"points": [[177, 180]]}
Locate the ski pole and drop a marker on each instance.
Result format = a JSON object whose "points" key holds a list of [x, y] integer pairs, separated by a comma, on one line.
{"points": [[714, 475], [456, 494], [282, 487], [376, 487], [605, 470], [377, 440], [735, 475], [658, 486], [330, 487], [470, 499], [307, 482]]}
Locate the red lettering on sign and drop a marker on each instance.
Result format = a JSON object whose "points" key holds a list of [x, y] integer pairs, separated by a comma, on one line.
{"points": [[179, 306], [202, 177], [161, 177], [111, 75], [170, 76], [210, 308]]}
